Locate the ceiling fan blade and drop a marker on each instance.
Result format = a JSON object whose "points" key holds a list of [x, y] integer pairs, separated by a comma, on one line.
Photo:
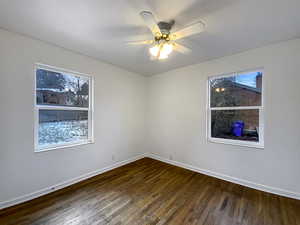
{"points": [[182, 49], [151, 23], [146, 42], [188, 31]]}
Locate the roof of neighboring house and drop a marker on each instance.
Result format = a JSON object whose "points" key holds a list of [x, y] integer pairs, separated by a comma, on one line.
{"points": [[50, 89], [55, 90], [239, 85], [257, 90]]}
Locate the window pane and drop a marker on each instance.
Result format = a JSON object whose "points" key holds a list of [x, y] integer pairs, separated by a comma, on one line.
{"points": [[61, 89], [241, 90], [62, 126], [235, 124]]}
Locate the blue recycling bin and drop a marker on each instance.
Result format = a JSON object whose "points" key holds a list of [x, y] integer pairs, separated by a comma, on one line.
{"points": [[238, 128]]}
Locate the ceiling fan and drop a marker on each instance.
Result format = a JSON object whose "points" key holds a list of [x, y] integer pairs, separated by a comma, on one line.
{"points": [[163, 42]]}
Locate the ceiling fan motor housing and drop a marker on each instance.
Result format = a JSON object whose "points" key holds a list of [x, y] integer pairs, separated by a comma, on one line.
{"points": [[165, 27]]}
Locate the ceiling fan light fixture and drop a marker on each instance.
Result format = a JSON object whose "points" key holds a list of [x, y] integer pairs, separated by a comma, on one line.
{"points": [[166, 49], [161, 50], [154, 51], [163, 56]]}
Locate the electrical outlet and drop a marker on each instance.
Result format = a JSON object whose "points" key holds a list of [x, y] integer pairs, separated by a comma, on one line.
{"points": [[113, 158], [170, 157]]}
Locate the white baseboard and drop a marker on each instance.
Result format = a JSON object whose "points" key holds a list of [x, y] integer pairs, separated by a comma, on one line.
{"points": [[67, 183], [242, 182], [53, 188]]}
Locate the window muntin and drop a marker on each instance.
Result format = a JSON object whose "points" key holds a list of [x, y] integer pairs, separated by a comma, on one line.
{"points": [[63, 108], [235, 109]]}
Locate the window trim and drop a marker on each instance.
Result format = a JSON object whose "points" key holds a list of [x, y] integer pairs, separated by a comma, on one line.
{"points": [[37, 107], [258, 145]]}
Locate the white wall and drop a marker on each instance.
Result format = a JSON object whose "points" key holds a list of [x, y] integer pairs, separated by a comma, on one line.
{"points": [[173, 105], [119, 117], [177, 118]]}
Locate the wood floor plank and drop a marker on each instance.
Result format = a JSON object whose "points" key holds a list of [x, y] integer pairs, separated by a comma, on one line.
{"points": [[149, 192]]}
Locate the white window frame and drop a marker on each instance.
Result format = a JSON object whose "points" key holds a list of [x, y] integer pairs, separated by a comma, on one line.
{"points": [[37, 107], [260, 144]]}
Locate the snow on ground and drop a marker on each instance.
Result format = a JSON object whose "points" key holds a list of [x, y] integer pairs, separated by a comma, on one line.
{"points": [[51, 133]]}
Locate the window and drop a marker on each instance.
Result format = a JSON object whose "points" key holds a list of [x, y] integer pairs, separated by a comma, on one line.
{"points": [[235, 109], [63, 108]]}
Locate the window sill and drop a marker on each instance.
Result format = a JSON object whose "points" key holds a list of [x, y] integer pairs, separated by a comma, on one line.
{"points": [[61, 146], [236, 143]]}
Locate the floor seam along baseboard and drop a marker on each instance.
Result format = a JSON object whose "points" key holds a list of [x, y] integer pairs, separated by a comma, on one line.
{"points": [[47, 190], [261, 187]]}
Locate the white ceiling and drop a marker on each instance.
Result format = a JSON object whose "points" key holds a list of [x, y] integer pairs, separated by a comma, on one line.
{"points": [[101, 28]]}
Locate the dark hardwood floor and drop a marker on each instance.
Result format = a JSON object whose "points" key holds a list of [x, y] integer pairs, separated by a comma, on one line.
{"points": [[151, 192]]}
